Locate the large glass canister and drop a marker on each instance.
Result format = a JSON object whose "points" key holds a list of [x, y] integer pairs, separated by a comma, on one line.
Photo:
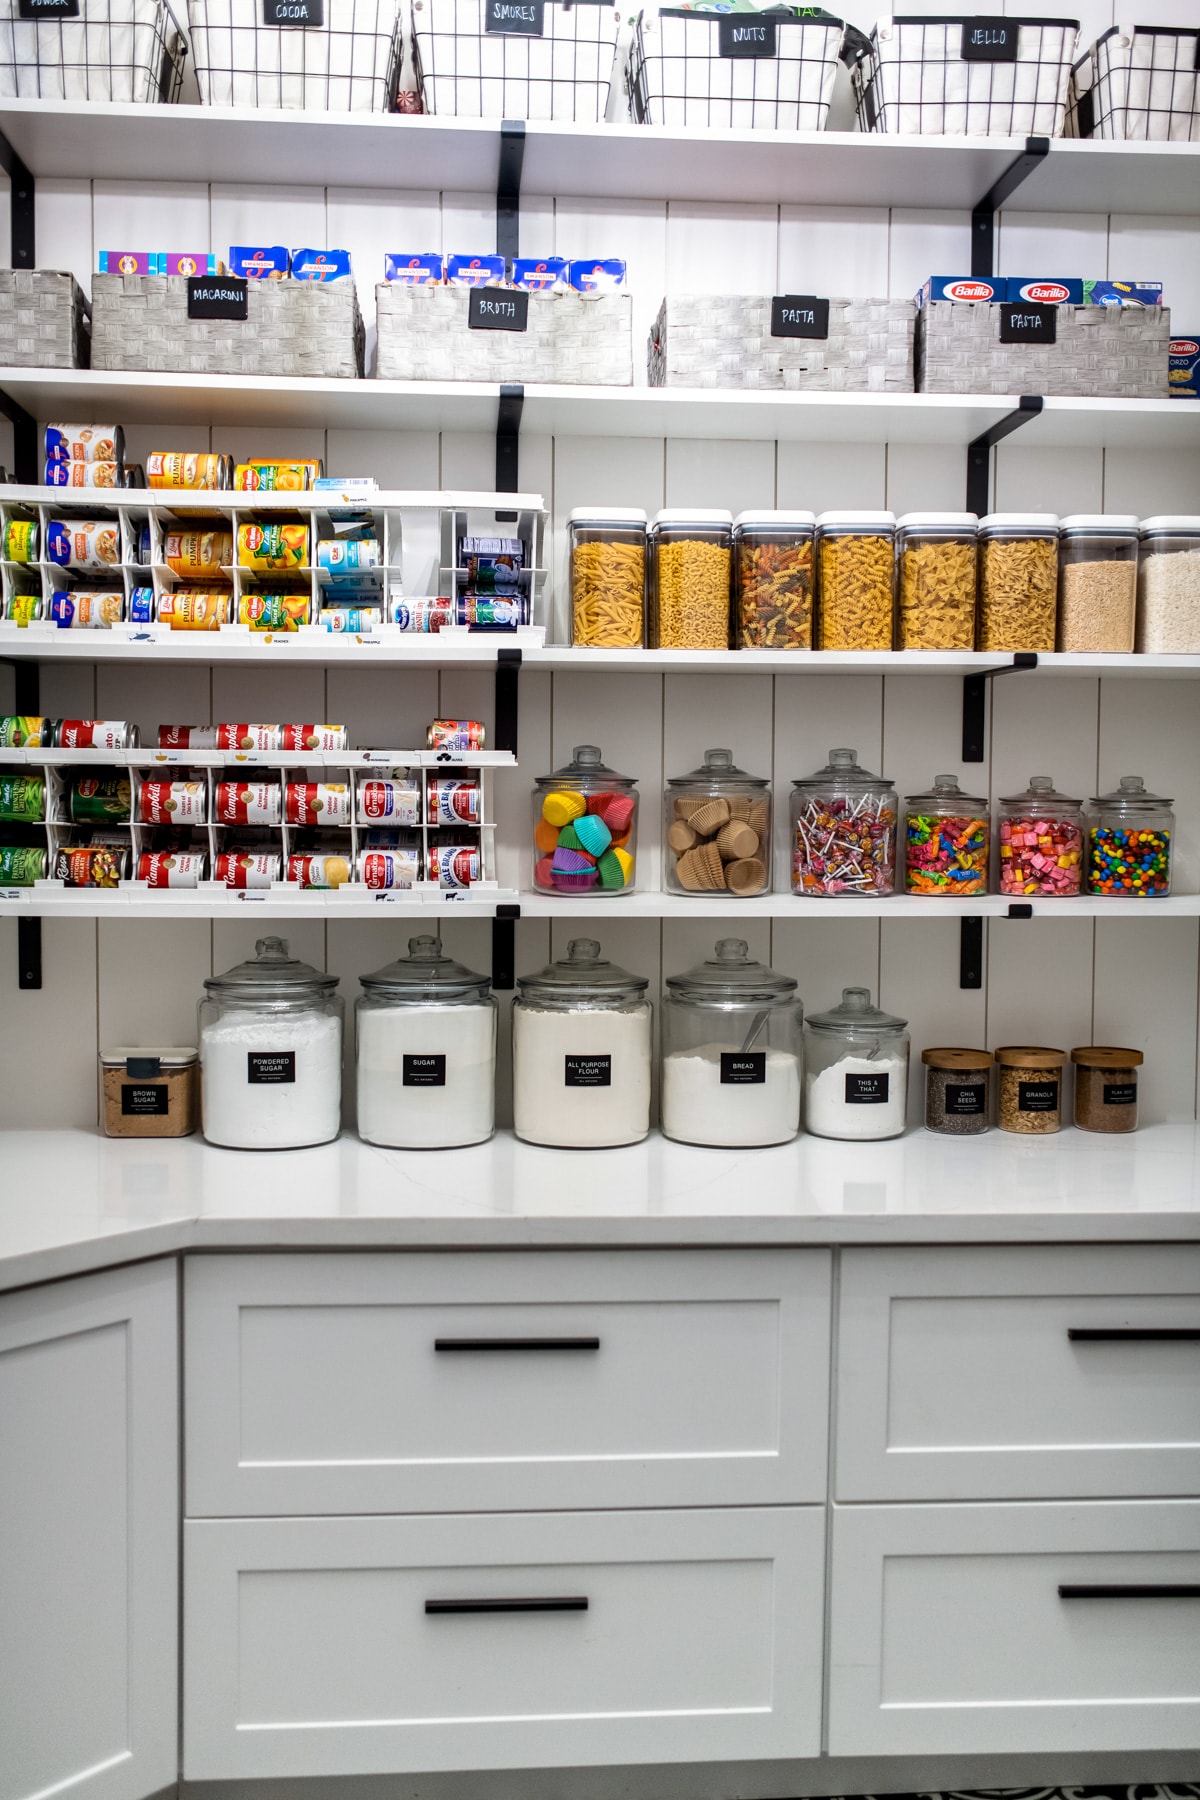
{"points": [[843, 822], [717, 830], [732, 1051], [1018, 581], [271, 1053], [856, 554], [608, 577], [584, 828], [773, 580], [1041, 842], [947, 840], [426, 1052], [690, 552], [1097, 582], [1130, 836], [936, 561], [1168, 621], [855, 1070], [581, 1053]]}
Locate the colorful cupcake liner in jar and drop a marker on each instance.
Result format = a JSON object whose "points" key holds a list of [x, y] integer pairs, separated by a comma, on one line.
{"points": [[584, 828]]}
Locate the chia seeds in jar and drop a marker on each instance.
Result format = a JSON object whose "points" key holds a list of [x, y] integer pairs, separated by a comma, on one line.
{"points": [[1106, 1087], [956, 1091]]}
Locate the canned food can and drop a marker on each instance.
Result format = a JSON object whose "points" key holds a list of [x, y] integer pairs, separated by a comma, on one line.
{"points": [[187, 469], [172, 868], [456, 734], [390, 802], [319, 871], [85, 475], [134, 476], [195, 609], [248, 803], [22, 798], [21, 541], [247, 737], [422, 614], [91, 865], [276, 477], [141, 606], [85, 443], [381, 869], [198, 555], [317, 803], [489, 615], [454, 865], [312, 737], [187, 737], [21, 865], [145, 546], [100, 800], [19, 734], [86, 611], [274, 612], [92, 734], [346, 556], [350, 618], [246, 868], [172, 802], [272, 547], [22, 609], [452, 802], [83, 543]]}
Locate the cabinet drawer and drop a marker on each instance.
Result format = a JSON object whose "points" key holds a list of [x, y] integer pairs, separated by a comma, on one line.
{"points": [[949, 1632], [1005, 1374], [660, 1637], [442, 1383]]}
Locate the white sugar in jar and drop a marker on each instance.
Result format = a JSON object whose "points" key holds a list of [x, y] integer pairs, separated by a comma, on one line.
{"points": [[855, 1070], [426, 1052], [581, 1053]]}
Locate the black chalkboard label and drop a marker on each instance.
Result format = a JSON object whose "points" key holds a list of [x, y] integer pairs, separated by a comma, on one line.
{"points": [[293, 12], [498, 309], [990, 40], [423, 1071], [746, 34], [799, 316], [270, 1068], [1028, 322], [217, 296], [867, 1090], [523, 18], [1037, 1096], [966, 1099], [138, 1102], [743, 1068], [1120, 1093], [47, 9], [587, 1071]]}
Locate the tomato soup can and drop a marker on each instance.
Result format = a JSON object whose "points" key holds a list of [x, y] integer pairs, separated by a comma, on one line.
{"points": [[92, 734], [247, 737], [172, 868], [187, 737], [172, 803], [248, 803], [312, 737]]}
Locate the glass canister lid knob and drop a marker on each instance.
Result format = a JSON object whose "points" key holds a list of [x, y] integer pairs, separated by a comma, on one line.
{"points": [[272, 972], [1131, 790], [718, 759], [588, 756], [855, 1012], [582, 951]]}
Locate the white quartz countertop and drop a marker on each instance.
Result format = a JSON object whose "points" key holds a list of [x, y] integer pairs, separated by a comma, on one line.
{"points": [[72, 1201]]}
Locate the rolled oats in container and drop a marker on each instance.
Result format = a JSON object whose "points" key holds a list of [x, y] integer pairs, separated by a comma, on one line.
{"points": [[936, 570], [689, 579], [1168, 622], [1030, 1085], [773, 580], [1018, 581], [855, 580], [1097, 582], [956, 1091]]}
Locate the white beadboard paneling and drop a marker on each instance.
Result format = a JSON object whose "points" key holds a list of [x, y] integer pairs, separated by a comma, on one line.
{"points": [[598, 472], [1145, 997], [1094, 16], [722, 249], [631, 744], [532, 953], [151, 697], [233, 940], [271, 696], [161, 215], [140, 440], [687, 942], [819, 477], [823, 250], [1152, 729], [383, 709], [64, 228], [1039, 985], [1151, 248], [133, 1010], [279, 444], [634, 230], [471, 694], [1033, 480], [918, 981], [1043, 726], [68, 690], [50, 1079], [396, 459], [1151, 481], [719, 472], [733, 711], [372, 222], [926, 478], [513, 793], [1048, 245], [825, 956], [244, 214], [922, 735], [923, 242], [469, 224]]}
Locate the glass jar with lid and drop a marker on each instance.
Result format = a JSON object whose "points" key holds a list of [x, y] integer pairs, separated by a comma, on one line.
{"points": [[936, 561], [271, 1053], [732, 1051], [717, 829], [956, 1091], [1129, 842], [1169, 586], [426, 1052], [1030, 1088], [1097, 582], [584, 828], [581, 1053], [947, 839], [843, 822], [1041, 842], [855, 580], [1106, 1087], [855, 1070], [690, 551], [608, 577], [1018, 581], [773, 580]]}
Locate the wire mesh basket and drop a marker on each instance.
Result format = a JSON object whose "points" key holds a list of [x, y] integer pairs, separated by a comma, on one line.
{"points": [[124, 50], [1138, 81], [350, 63], [562, 72], [912, 77], [685, 69]]}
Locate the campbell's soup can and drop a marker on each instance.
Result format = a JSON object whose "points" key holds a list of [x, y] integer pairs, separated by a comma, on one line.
{"points": [[187, 737], [172, 803], [456, 734], [172, 868], [317, 803], [312, 737], [454, 865], [452, 802], [92, 865], [319, 871], [93, 734], [247, 737], [248, 803], [246, 868], [19, 734], [379, 869], [389, 803]]}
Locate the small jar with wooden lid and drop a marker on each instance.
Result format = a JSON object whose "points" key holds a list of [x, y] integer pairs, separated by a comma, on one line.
{"points": [[956, 1091], [1106, 1087], [150, 1092], [1030, 1088]]}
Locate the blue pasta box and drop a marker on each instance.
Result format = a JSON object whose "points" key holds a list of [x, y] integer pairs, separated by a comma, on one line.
{"points": [[1049, 290], [539, 273], [475, 271], [589, 275], [1122, 293], [320, 265], [189, 262], [412, 271], [1183, 374], [259, 262], [962, 287], [127, 262]]}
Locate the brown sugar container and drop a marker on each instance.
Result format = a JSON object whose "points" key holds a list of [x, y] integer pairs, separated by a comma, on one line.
{"points": [[1030, 1088], [150, 1092], [1106, 1087]]}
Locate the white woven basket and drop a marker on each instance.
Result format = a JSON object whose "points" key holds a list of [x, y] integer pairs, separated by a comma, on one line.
{"points": [[563, 74], [1138, 82], [124, 50], [725, 341], [913, 79], [582, 339], [351, 63], [1101, 352], [42, 320], [678, 77], [291, 328]]}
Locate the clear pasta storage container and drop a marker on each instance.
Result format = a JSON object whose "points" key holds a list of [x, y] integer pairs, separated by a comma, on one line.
{"points": [[773, 580], [947, 840], [1041, 842], [936, 580], [1018, 581], [843, 822], [584, 828], [1169, 586], [717, 830], [731, 1052], [608, 578], [1097, 582], [690, 554], [1129, 842], [581, 1053], [855, 580]]}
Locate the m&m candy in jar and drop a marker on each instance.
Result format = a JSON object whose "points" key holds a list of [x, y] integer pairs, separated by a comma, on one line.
{"points": [[584, 828], [1129, 843], [1041, 842]]}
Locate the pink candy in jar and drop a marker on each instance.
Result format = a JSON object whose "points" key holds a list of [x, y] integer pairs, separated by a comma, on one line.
{"points": [[1041, 842]]}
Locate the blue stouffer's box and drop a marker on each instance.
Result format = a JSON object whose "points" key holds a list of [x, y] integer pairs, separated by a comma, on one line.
{"points": [[962, 287], [320, 265], [1045, 290], [1122, 293], [475, 271], [412, 271], [590, 275], [259, 262], [1183, 376], [539, 274]]}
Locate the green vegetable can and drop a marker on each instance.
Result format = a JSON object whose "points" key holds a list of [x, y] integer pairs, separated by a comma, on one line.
{"points": [[23, 798], [21, 866]]}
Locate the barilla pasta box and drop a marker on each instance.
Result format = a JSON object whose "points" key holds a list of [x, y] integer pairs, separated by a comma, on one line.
{"points": [[127, 262], [259, 262], [539, 273], [1122, 293], [320, 265], [1049, 290], [475, 271], [189, 262], [1183, 375], [413, 271], [962, 287], [589, 275]]}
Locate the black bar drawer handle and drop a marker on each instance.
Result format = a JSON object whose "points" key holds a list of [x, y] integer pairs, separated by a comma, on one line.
{"points": [[518, 1343], [568, 1603], [1132, 1590], [1138, 1334]]}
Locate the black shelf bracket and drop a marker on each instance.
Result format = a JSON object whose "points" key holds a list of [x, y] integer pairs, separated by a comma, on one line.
{"points": [[979, 450], [26, 467], [508, 440], [983, 216], [504, 948], [508, 679], [27, 686], [24, 240], [29, 953], [1020, 909], [975, 701], [970, 952], [508, 187]]}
